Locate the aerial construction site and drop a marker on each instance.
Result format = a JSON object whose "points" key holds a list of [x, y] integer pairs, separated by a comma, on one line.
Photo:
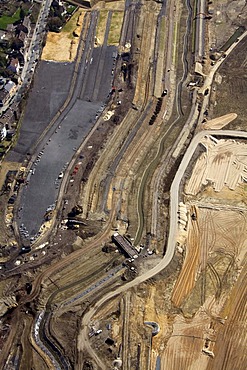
{"points": [[123, 201]]}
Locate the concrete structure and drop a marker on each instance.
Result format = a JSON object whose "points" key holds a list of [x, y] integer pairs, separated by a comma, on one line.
{"points": [[125, 245]]}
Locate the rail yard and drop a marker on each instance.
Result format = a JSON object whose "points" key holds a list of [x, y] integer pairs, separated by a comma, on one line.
{"points": [[123, 228]]}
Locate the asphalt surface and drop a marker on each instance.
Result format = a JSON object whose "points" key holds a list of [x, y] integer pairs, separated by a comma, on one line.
{"points": [[97, 85], [51, 87], [42, 190]]}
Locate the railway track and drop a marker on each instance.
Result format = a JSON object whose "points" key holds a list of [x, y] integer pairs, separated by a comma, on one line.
{"points": [[98, 173], [67, 259], [84, 342], [147, 41], [113, 167], [130, 18], [125, 331], [160, 150], [45, 335], [184, 59]]}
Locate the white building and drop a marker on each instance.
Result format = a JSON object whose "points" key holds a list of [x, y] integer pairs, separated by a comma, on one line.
{"points": [[3, 131]]}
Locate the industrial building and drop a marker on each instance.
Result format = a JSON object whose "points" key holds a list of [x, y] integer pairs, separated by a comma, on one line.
{"points": [[125, 245]]}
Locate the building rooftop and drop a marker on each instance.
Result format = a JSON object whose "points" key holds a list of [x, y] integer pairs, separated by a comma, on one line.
{"points": [[9, 86]]}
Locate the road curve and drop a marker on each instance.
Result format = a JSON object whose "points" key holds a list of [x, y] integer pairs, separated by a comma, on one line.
{"points": [[171, 243]]}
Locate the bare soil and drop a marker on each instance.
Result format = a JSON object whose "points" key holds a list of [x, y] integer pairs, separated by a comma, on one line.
{"points": [[231, 88], [62, 47]]}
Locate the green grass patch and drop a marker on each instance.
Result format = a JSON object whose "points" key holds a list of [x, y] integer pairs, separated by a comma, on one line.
{"points": [[162, 34], [115, 28], [70, 8], [194, 27], [101, 25], [5, 19], [175, 48], [71, 25], [233, 38]]}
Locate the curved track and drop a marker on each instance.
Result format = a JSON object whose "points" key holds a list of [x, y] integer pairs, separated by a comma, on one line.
{"points": [[171, 243]]}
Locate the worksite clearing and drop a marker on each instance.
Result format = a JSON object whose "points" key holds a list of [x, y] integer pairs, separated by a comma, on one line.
{"points": [[214, 251], [191, 300], [137, 261], [62, 47]]}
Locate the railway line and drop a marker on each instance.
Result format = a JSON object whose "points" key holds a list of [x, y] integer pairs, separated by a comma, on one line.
{"points": [[125, 332], [54, 351], [184, 59], [72, 257], [127, 142], [167, 132], [131, 16], [146, 55], [84, 341], [113, 167], [104, 236], [97, 359], [200, 29], [97, 175]]}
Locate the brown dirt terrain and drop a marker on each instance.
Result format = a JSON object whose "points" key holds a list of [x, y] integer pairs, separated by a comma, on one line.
{"points": [[188, 332], [231, 88], [227, 16], [62, 47], [231, 341]]}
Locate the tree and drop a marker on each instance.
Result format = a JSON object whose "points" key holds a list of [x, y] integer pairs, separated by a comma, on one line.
{"points": [[22, 14], [17, 44], [54, 24]]}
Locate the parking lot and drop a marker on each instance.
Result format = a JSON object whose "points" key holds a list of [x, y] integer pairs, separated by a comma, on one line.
{"points": [[42, 189], [62, 140], [49, 91]]}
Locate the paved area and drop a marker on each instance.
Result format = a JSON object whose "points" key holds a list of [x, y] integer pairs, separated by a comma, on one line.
{"points": [[56, 149], [50, 89], [99, 74], [43, 186], [61, 142]]}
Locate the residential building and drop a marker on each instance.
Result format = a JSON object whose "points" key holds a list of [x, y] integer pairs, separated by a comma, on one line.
{"points": [[4, 97], [14, 65], [23, 37], [2, 34], [20, 28], [10, 87], [3, 131], [9, 117], [10, 28]]}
